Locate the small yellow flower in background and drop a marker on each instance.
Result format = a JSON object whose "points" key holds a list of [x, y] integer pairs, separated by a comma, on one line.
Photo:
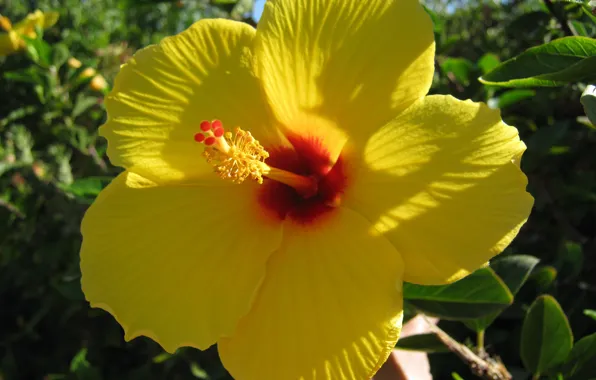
{"points": [[74, 63], [88, 72], [11, 41], [281, 184], [98, 83]]}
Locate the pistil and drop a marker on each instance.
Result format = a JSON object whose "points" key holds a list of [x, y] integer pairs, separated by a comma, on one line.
{"points": [[239, 156]]}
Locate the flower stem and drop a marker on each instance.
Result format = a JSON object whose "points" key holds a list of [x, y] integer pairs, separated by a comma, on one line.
{"points": [[480, 341]]}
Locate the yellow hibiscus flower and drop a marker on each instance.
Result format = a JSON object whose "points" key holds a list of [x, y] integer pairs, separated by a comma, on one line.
{"points": [[352, 181], [12, 41]]}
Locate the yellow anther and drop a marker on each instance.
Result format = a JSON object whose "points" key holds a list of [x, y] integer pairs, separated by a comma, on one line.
{"points": [[235, 157], [239, 156]]}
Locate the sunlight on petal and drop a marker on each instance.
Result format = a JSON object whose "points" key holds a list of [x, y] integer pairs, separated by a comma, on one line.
{"points": [[441, 184], [179, 264], [329, 308], [164, 92]]}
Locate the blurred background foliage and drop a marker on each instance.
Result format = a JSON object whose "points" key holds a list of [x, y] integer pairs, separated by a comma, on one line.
{"points": [[52, 165]]}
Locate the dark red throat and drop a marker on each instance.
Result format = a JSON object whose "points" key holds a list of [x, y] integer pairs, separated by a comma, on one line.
{"points": [[308, 158]]}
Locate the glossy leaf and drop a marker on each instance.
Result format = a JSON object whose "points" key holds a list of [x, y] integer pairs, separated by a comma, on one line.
{"points": [[590, 313], [488, 62], [581, 363], [481, 293], [546, 336], [514, 270], [566, 60]]}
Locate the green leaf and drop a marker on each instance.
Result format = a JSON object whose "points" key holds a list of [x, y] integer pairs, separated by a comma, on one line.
{"points": [[17, 114], [479, 294], [569, 59], [588, 100], [29, 75], [83, 103], [164, 356], [590, 313], [438, 22], [488, 62], [588, 12], [39, 50], [460, 67], [60, 55], [581, 363], [546, 336], [579, 28], [82, 368], [510, 97], [545, 277], [86, 187], [514, 270], [421, 342], [198, 372]]}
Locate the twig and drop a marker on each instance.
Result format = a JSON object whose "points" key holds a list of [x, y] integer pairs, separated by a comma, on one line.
{"points": [[485, 368], [97, 158]]}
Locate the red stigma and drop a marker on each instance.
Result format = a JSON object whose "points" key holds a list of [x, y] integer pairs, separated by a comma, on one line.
{"points": [[308, 158], [205, 126], [210, 141], [218, 132], [216, 124], [199, 137]]}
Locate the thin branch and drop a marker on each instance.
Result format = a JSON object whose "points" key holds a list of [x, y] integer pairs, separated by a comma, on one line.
{"points": [[488, 368]]}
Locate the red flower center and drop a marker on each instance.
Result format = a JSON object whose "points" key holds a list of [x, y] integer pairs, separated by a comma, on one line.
{"points": [[306, 157]]}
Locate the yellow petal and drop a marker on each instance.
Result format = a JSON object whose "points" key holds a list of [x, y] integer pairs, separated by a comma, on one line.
{"points": [[164, 92], [9, 43], [27, 25], [441, 182], [352, 62], [49, 19], [329, 308], [179, 264]]}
